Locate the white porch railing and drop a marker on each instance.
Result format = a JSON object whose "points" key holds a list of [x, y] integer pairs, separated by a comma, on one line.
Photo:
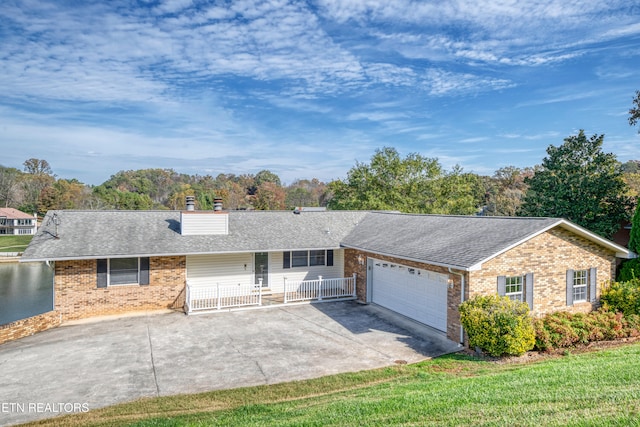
{"points": [[307, 290], [199, 298]]}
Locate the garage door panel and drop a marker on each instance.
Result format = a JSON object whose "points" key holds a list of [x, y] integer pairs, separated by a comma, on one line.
{"points": [[415, 293]]}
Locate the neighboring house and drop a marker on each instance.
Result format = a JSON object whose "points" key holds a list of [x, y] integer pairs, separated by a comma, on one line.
{"points": [[421, 266], [15, 222]]}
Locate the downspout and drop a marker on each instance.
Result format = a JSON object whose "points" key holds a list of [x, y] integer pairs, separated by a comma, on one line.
{"points": [[461, 300]]}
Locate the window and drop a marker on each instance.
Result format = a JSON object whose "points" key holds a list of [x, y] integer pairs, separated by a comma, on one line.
{"points": [[299, 258], [517, 288], [514, 288], [580, 285], [122, 271], [294, 259], [316, 257], [24, 222]]}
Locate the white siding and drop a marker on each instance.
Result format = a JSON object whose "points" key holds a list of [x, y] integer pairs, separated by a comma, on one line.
{"points": [[209, 223], [277, 274], [226, 269]]}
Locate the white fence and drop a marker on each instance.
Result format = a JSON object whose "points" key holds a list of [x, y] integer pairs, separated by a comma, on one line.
{"points": [[216, 297], [222, 296], [320, 289]]}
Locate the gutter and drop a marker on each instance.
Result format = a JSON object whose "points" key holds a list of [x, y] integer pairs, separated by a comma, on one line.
{"points": [[461, 300]]}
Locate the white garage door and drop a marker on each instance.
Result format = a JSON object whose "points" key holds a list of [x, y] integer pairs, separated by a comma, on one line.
{"points": [[418, 294]]}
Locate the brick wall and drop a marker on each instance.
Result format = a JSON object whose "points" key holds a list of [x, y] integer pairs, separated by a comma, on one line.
{"points": [[548, 256], [77, 295], [25, 327]]}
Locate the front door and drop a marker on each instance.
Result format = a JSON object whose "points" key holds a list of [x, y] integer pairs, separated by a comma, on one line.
{"points": [[261, 268]]}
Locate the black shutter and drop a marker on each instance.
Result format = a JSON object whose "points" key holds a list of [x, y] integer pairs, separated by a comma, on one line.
{"points": [[329, 257], [528, 293], [569, 287], [593, 282], [286, 259], [101, 273], [502, 285], [144, 271]]}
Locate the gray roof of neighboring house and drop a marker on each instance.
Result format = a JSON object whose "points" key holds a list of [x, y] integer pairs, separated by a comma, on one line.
{"points": [[95, 234], [462, 242]]}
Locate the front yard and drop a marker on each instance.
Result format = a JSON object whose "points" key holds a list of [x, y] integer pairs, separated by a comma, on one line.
{"points": [[14, 243], [588, 389]]}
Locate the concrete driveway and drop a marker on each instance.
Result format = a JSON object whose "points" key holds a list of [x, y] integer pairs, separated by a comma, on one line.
{"points": [[94, 364]]}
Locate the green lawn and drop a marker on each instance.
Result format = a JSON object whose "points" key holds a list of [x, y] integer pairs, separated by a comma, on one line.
{"points": [[14, 243], [591, 389]]}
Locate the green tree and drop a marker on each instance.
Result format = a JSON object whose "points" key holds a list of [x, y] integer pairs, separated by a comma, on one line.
{"points": [[37, 178], [579, 182], [389, 182], [634, 112]]}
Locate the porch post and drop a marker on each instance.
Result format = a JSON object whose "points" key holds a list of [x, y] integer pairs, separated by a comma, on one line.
{"points": [[188, 299], [285, 290], [355, 294], [319, 288], [260, 291], [218, 292]]}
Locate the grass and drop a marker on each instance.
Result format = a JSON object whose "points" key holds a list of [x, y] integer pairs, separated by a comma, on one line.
{"points": [[590, 389], [14, 243]]}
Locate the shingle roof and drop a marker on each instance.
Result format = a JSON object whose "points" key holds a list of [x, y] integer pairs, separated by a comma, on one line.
{"points": [[456, 241], [94, 234]]}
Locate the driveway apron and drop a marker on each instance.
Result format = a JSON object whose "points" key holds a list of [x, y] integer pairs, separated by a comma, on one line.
{"points": [[95, 364]]}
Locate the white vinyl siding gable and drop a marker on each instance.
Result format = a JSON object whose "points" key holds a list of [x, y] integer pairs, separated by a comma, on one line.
{"points": [[204, 223]]}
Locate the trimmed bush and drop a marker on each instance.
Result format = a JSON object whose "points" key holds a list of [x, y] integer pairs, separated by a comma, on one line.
{"points": [[498, 325], [563, 329], [622, 297]]}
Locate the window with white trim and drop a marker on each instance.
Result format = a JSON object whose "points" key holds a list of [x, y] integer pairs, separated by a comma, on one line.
{"points": [[123, 271], [293, 259], [580, 281], [514, 288]]}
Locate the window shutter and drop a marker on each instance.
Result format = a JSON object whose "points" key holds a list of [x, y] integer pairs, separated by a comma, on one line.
{"points": [[144, 271], [286, 259], [569, 287], [502, 285], [528, 293], [101, 273], [593, 281], [329, 257]]}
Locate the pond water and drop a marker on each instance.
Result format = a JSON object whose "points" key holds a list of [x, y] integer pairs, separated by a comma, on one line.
{"points": [[26, 289]]}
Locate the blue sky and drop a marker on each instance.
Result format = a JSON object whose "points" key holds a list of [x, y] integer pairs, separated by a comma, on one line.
{"points": [[307, 88]]}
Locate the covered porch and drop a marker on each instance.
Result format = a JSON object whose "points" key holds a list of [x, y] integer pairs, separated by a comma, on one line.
{"points": [[205, 298]]}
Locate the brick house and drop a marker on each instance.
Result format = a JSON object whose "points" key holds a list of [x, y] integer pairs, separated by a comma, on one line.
{"points": [[421, 266]]}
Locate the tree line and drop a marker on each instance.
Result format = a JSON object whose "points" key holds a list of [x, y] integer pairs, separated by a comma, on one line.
{"points": [[576, 180]]}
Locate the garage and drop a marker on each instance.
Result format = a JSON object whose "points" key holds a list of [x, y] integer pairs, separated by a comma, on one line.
{"points": [[418, 294]]}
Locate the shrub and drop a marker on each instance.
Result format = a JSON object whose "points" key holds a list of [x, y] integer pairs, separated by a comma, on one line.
{"points": [[630, 270], [623, 297], [563, 329], [498, 325]]}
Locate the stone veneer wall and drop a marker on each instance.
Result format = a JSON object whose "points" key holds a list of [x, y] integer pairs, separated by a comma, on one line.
{"points": [[77, 295], [548, 256], [29, 326]]}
